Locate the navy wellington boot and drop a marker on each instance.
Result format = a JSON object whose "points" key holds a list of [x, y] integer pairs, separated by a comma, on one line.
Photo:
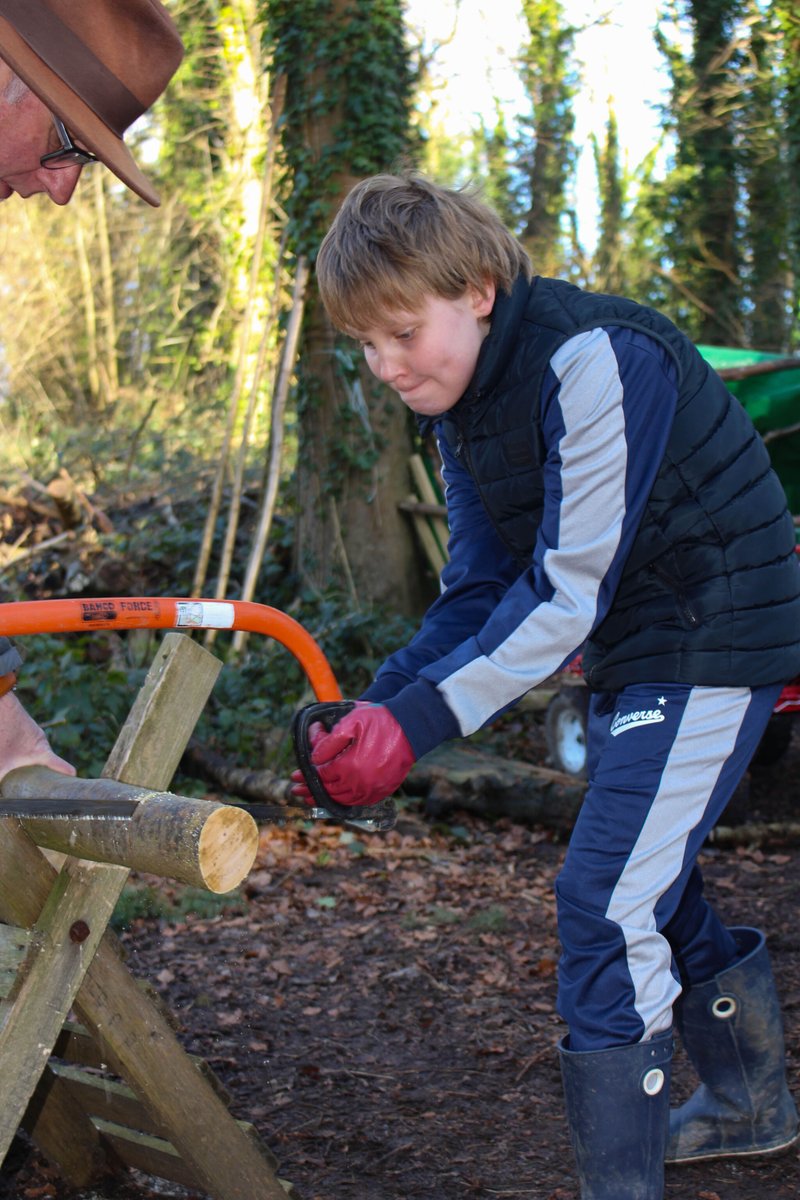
{"points": [[732, 1030], [618, 1112]]}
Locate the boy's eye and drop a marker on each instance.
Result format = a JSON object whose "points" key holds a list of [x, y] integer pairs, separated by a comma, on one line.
{"points": [[406, 335]]}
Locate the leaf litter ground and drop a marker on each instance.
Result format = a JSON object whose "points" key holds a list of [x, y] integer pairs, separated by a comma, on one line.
{"points": [[382, 1008]]}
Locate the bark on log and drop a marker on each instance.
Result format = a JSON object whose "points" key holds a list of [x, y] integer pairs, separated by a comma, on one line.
{"points": [[260, 786], [460, 777], [197, 842], [757, 834], [449, 778], [768, 367], [457, 777]]}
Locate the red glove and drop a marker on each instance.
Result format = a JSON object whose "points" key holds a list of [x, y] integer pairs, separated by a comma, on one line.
{"points": [[364, 758]]}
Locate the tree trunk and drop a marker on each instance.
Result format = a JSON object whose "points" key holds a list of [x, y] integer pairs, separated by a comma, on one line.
{"points": [[349, 84], [710, 136], [350, 530], [457, 777]]}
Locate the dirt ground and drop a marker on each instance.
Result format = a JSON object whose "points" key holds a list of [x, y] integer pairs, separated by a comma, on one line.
{"points": [[383, 1009]]}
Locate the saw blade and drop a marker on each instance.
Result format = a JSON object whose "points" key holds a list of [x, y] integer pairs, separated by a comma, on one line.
{"points": [[69, 810], [41, 809]]}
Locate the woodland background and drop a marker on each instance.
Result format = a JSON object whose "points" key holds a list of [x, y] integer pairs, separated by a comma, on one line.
{"points": [[177, 416]]}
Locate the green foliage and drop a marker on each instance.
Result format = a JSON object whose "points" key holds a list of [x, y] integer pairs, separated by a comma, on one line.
{"points": [[787, 68], [249, 712], [81, 702], [147, 903], [191, 901], [727, 237], [348, 97], [643, 240], [251, 708], [491, 160], [546, 151], [610, 253], [766, 186], [80, 687], [355, 641], [194, 101], [138, 904], [352, 443], [493, 919]]}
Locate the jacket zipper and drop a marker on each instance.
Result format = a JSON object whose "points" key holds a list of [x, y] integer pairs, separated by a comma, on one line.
{"points": [[683, 604]]}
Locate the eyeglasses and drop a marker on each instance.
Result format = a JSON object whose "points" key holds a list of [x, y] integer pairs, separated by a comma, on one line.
{"points": [[69, 155]]}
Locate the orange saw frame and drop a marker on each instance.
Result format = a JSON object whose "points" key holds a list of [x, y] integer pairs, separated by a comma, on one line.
{"points": [[173, 612]]}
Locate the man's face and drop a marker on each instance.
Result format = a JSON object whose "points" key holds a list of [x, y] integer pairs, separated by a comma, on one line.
{"points": [[428, 356], [26, 133]]}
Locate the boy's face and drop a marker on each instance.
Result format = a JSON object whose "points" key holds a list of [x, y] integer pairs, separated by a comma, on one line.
{"points": [[428, 356]]}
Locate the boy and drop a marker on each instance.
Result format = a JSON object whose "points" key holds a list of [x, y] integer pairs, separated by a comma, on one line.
{"points": [[605, 492]]}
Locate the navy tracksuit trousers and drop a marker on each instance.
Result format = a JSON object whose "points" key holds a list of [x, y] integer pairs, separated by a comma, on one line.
{"points": [[664, 760]]}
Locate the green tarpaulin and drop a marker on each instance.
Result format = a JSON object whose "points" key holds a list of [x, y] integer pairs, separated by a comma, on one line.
{"points": [[773, 402]]}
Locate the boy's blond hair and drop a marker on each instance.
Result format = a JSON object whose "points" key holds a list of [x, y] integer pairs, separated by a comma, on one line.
{"points": [[400, 238]]}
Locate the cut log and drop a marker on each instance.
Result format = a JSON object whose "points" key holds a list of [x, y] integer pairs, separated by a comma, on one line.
{"points": [[198, 842], [455, 776]]}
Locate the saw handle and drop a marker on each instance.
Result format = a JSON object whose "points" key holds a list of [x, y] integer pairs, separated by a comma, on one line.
{"points": [[328, 713]]}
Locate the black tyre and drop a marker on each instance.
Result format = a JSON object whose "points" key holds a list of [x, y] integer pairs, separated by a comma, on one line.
{"points": [[565, 730], [775, 740]]}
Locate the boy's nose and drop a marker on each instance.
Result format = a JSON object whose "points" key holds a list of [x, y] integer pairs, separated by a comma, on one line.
{"points": [[388, 367]]}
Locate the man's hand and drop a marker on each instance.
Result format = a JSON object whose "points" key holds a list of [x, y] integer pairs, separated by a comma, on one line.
{"points": [[22, 742], [364, 758]]}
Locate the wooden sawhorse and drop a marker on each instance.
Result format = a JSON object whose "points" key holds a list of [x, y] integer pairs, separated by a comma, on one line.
{"points": [[165, 1113]]}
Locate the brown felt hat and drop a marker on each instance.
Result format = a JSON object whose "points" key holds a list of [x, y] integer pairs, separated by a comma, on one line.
{"points": [[97, 64]]}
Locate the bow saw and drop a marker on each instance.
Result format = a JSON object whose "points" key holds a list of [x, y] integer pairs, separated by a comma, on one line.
{"points": [[176, 612]]}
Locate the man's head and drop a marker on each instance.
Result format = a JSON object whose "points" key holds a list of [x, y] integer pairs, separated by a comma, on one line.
{"points": [[397, 240], [96, 67]]}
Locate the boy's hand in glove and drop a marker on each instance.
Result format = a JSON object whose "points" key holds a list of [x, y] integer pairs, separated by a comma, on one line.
{"points": [[364, 758]]}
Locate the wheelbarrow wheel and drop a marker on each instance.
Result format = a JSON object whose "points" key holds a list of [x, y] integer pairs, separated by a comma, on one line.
{"points": [[775, 740], [565, 731]]}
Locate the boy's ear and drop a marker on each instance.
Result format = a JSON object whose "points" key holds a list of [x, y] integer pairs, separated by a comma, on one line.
{"points": [[483, 299]]}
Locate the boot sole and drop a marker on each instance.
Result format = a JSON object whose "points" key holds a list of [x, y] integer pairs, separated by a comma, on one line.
{"points": [[756, 1152]]}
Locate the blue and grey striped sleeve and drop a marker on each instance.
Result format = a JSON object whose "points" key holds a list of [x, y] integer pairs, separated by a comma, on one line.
{"points": [[476, 577], [607, 409]]}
